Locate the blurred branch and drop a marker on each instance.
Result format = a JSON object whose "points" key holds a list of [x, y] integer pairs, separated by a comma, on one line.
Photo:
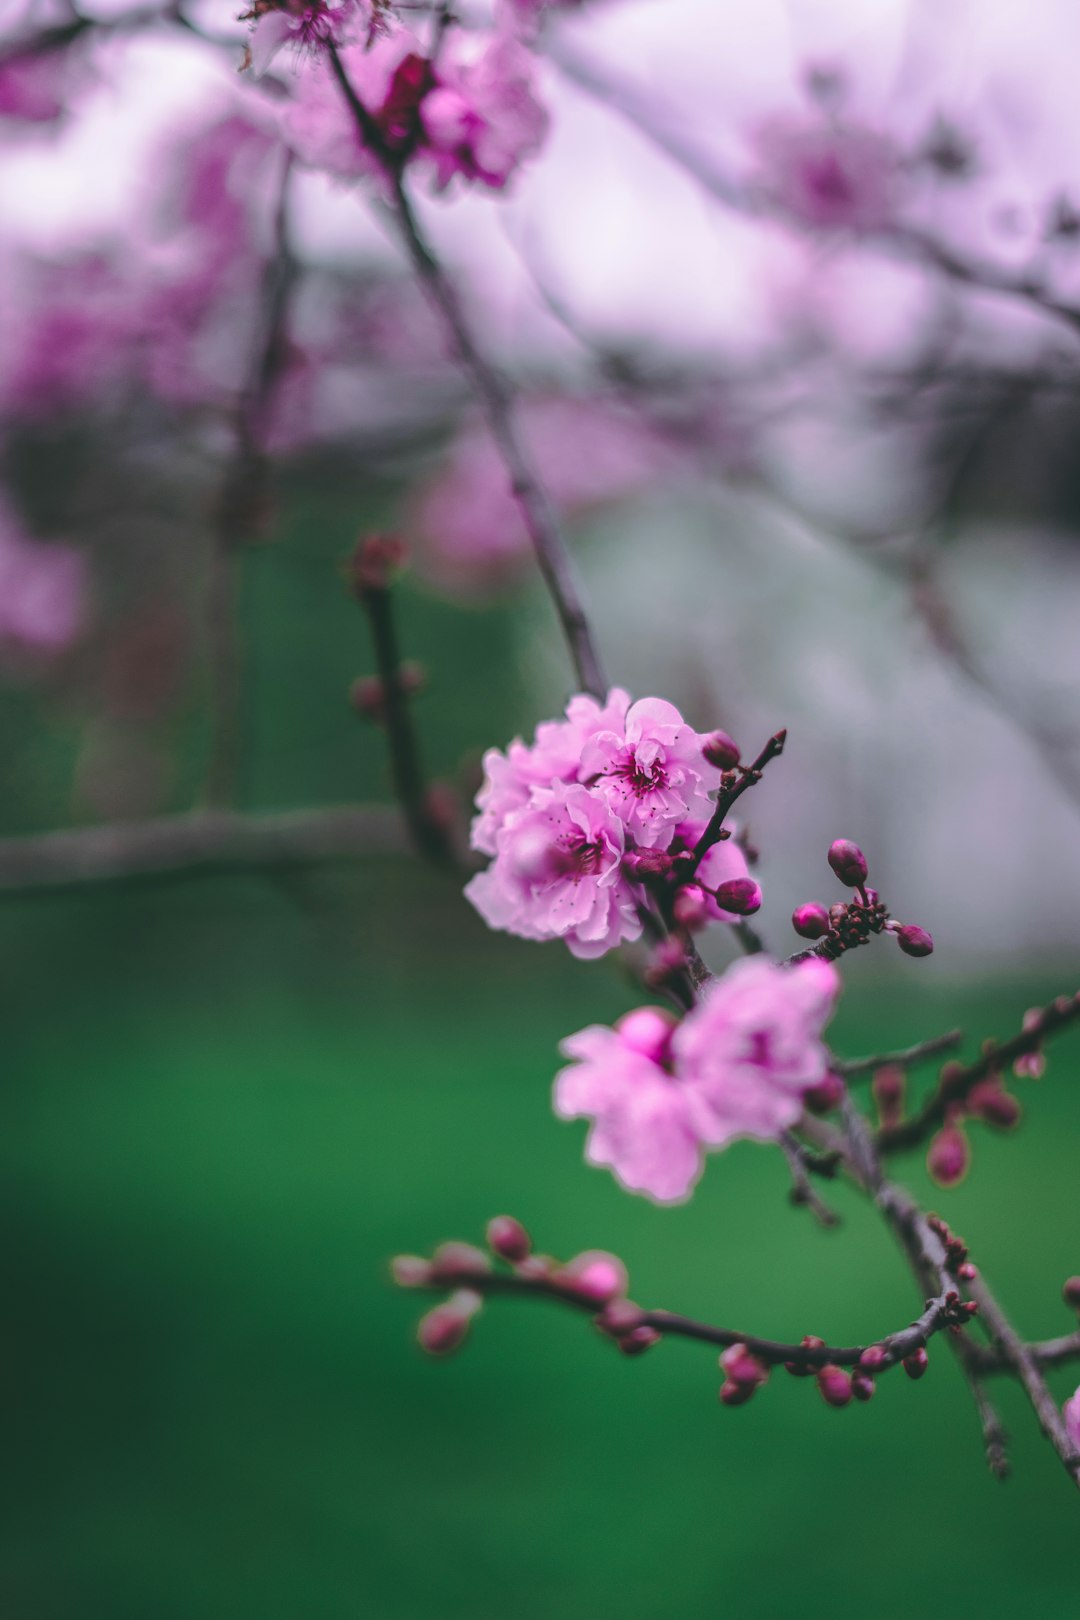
{"points": [[803, 1191], [905, 1058], [497, 401], [205, 840]]}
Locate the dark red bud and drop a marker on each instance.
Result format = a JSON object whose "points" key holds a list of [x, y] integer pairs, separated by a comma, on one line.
{"points": [[452, 1261], [643, 864], [742, 1367], [988, 1100], [538, 1267], [862, 1386], [888, 1087], [720, 750], [916, 1364], [799, 1369], [637, 1342], [848, 862], [374, 562], [949, 1156], [837, 913], [368, 697], [873, 1357], [621, 1316], [740, 895], [508, 1238], [967, 1272], [733, 1394], [913, 940], [834, 1384], [825, 1096], [810, 921], [446, 1328], [1070, 1293]]}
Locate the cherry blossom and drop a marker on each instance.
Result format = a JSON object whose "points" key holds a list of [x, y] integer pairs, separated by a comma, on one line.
{"points": [[652, 772]]}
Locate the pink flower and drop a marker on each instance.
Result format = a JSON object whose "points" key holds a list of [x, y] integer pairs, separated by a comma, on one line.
{"points": [[305, 25], [553, 756], [390, 77], [830, 176], [42, 590], [752, 1047], [738, 1065], [1071, 1411], [646, 1126], [557, 873], [652, 772], [483, 119]]}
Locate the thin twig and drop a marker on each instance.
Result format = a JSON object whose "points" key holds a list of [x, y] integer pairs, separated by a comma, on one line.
{"points": [[803, 1190], [906, 1058], [496, 400], [743, 777]]}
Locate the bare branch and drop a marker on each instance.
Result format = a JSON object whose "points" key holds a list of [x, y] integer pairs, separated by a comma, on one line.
{"points": [[906, 1058]]}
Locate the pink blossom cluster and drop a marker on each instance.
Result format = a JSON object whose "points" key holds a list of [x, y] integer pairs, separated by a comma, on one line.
{"points": [[661, 1094], [561, 815], [469, 110], [42, 593]]}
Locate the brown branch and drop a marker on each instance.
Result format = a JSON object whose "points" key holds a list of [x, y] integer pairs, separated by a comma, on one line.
{"points": [[497, 402], [956, 1081], [199, 841], [907, 1057], [743, 777]]}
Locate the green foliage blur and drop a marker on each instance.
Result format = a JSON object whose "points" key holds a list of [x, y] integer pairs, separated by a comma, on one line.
{"points": [[228, 1101]]}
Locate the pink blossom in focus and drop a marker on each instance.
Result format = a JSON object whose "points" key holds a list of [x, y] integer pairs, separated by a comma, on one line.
{"points": [[554, 755], [472, 542], [725, 862], [557, 873], [42, 591], [752, 1047], [652, 772], [1071, 1412], [647, 1127], [829, 176]]}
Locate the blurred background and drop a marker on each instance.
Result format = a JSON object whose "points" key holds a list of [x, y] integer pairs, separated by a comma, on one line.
{"points": [[788, 301]]}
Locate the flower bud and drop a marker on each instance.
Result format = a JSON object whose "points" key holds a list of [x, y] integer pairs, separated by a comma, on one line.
{"points": [[1070, 1293], [834, 1384], [799, 1369], [988, 1100], [810, 921], [444, 1329], [873, 1357], [848, 862], [916, 1364], [508, 1238], [720, 750], [375, 560], [742, 1367], [913, 940], [648, 1030], [621, 1316], [733, 1394], [595, 1275], [458, 1260], [668, 958], [949, 1156], [966, 1271], [691, 908], [740, 895], [888, 1087], [642, 864], [538, 1267], [368, 697], [410, 1271], [826, 1095], [638, 1341], [862, 1386]]}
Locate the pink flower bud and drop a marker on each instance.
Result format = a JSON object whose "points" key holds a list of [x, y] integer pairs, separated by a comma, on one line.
{"points": [[691, 908], [873, 1357], [410, 1271], [949, 1156], [826, 1095], [799, 1369], [837, 914], [732, 1394], [376, 559], [913, 940], [446, 1328], [638, 1341], [741, 895], [1070, 1293], [642, 864], [668, 958], [888, 1087], [452, 1261], [595, 1275], [848, 862], [834, 1384], [538, 1267], [742, 1367], [648, 1030], [720, 750], [862, 1386], [368, 697], [988, 1100], [916, 1364], [508, 1238], [967, 1272], [810, 921], [621, 1316]]}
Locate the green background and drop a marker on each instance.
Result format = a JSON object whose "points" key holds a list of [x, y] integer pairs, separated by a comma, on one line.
{"points": [[228, 1101]]}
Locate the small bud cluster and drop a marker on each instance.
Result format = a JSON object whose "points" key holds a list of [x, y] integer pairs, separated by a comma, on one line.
{"points": [[986, 1099], [847, 924]]}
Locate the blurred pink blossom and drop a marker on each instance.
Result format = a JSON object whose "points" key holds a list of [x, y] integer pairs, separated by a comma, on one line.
{"points": [[829, 175], [1071, 1411], [42, 592]]}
